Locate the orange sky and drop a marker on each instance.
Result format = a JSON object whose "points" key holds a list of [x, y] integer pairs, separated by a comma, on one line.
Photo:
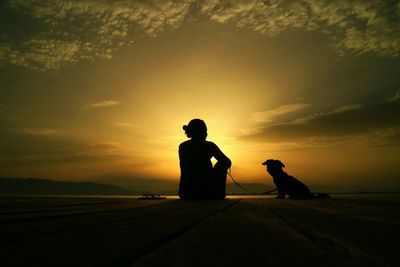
{"points": [[106, 89]]}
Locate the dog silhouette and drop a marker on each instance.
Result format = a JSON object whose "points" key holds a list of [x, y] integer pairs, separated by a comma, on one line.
{"points": [[288, 185]]}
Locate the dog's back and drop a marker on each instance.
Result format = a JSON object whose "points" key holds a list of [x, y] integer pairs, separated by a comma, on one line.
{"points": [[293, 187]]}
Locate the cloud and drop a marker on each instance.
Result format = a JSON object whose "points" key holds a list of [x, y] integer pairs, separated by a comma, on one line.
{"points": [[66, 32], [37, 131], [109, 147], [343, 122], [354, 26], [270, 115], [85, 30], [327, 113], [102, 104], [364, 26], [124, 124], [381, 41], [42, 54], [266, 17]]}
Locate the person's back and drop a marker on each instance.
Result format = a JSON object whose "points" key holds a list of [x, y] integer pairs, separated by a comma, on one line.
{"points": [[199, 179]]}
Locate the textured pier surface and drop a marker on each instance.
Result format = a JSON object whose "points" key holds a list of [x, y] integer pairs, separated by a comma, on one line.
{"points": [[359, 230]]}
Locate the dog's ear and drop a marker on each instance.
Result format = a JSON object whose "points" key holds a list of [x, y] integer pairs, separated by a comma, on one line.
{"points": [[279, 163]]}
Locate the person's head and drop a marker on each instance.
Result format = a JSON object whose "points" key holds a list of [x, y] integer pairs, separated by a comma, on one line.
{"points": [[196, 129], [274, 167]]}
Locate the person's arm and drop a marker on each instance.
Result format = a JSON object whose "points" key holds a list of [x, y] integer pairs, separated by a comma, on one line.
{"points": [[220, 156]]}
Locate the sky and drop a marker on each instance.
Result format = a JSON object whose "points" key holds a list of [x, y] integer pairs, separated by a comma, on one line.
{"points": [[99, 90]]}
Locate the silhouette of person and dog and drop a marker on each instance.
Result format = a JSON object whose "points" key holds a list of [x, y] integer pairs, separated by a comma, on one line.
{"points": [[201, 180]]}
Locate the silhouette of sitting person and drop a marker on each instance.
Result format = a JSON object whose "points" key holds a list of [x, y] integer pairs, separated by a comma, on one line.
{"points": [[199, 178]]}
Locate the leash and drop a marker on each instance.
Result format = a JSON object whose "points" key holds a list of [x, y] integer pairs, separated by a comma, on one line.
{"points": [[269, 191], [240, 186], [236, 183]]}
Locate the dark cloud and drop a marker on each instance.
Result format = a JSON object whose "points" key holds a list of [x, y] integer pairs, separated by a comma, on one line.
{"points": [[356, 26], [354, 121], [65, 32], [48, 35]]}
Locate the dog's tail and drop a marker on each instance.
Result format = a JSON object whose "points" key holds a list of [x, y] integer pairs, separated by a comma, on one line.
{"points": [[320, 195]]}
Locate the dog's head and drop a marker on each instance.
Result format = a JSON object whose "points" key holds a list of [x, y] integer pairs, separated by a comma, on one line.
{"points": [[274, 166]]}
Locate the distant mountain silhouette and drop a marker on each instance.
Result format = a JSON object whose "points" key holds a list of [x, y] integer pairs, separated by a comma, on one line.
{"points": [[49, 187]]}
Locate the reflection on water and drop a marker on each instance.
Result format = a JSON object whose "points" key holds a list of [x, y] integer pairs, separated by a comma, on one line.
{"points": [[250, 196]]}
